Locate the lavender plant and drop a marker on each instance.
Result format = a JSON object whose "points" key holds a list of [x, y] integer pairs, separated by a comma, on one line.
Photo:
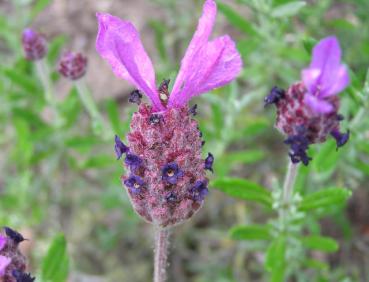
{"points": [[167, 183]]}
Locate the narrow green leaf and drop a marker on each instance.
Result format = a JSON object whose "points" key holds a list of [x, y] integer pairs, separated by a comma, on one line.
{"points": [[38, 7], [55, 265], [55, 47], [287, 10], [325, 198], [23, 81], [237, 20], [320, 243], [98, 161], [275, 261], [327, 158], [309, 43], [250, 232], [243, 189], [159, 32]]}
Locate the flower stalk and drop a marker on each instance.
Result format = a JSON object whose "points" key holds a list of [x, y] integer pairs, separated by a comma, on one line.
{"points": [[289, 183], [161, 254]]}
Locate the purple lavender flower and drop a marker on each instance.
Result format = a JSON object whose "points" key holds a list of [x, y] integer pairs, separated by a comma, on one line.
{"points": [[209, 162], [119, 147], [274, 96], [193, 110], [2, 242], [326, 76], [135, 184], [133, 161], [14, 235], [21, 276], [72, 65], [199, 191], [341, 138], [171, 173], [34, 45], [135, 97], [165, 132]]}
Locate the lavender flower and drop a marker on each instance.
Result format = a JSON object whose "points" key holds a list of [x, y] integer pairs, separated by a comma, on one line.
{"points": [[135, 184], [135, 97], [4, 262], [14, 235], [34, 45], [165, 132], [133, 161], [209, 162], [199, 191], [325, 77], [21, 276], [313, 104], [171, 173], [72, 65], [119, 147]]}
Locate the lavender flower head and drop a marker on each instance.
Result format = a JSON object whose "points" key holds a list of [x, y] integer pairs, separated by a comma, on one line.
{"points": [[164, 135], [308, 111], [34, 45], [11, 259], [72, 65]]}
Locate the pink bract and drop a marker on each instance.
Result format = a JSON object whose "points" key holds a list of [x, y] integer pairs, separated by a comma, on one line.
{"points": [[206, 64]]}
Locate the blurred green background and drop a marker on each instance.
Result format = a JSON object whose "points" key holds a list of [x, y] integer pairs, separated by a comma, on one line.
{"points": [[65, 179]]}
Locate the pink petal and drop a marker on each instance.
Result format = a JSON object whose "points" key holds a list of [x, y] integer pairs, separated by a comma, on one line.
{"points": [[213, 66], [2, 241], [340, 80], [310, 77], [4, 262], [199, 40], [326, 54], [317, 105], [119, 43]]}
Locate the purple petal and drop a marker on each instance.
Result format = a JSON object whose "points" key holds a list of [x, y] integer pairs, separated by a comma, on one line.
{"points": [[2, 241], [199, 39], [4, 262], [326, 76], [214, 65], [119, 43], [318, 105]]}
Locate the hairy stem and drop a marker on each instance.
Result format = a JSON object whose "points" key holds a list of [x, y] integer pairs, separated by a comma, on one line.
{"points": [[161, 254], [288, 185]]}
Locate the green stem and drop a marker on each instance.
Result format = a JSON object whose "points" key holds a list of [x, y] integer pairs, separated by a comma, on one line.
{"points": [[90, 105], [288, 185]]}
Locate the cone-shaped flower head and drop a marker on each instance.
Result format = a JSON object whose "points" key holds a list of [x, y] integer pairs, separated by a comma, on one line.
{"points": [[34, 45], [11, 259], [72, 65], [167, 181], [308, 111]]}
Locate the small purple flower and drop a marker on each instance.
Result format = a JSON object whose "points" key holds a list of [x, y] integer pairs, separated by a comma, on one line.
{"points": [[4, 262], [135, 97], [199, 191], [72, 65], [21, 276], [34, 45], [299, 144], [133, 161], [171, 197], [14, 235], [205, 66], [326, 76], [119, 147], [275, 95], [341, 138], [171, 173], [193, 110], [155, 119], [209, 162], [134, 183]]}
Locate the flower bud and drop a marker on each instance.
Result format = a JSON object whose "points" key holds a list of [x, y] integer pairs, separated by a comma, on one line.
{"points": [[72, 65], [34, 45]]}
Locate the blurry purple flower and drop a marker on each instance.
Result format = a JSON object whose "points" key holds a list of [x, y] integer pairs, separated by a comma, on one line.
{"points": [[274, 96], [341, 138], [135, 97], [171, 173], [3, 240], [326, 76], [199, 191], [205, 66], [119, 147], [209, 162], [14, 235], [72, 65], [193, 110], [34, 45], [4, 262], [21, 276], [133, 161], [134, 183]]}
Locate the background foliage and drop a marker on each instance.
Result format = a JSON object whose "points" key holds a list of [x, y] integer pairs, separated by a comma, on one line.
{"points": [[64, 178]]}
